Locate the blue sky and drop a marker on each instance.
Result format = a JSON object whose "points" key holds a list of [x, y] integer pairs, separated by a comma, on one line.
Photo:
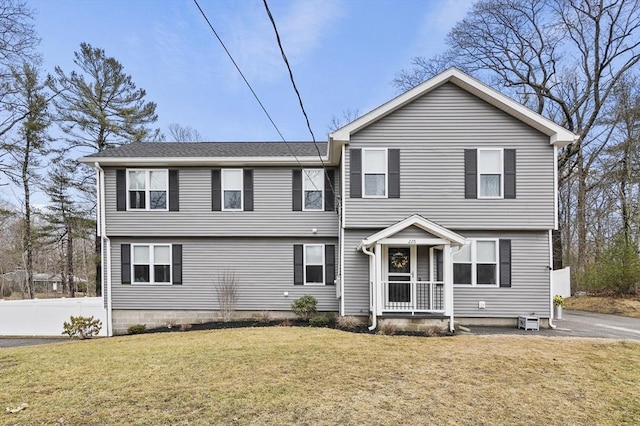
{"points": [[344, 55]]}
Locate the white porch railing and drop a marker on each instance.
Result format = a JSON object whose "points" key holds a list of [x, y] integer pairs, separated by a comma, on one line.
{"points": [[413, 296]]}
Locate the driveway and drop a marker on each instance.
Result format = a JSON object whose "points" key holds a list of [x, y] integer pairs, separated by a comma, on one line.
{"points": [[10, 342], [579, 324]]}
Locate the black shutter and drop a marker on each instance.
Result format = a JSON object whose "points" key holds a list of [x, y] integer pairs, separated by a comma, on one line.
{"points": [[216, 191], [355, 175], [125, 263], [121, 190], [505, 263], [329, 196], [439, 265], [176, 254], [174, 191], [470, 173], [247, 182], [393, 166], [509, 173], [296, 191], [329, 264], [298, 264]]}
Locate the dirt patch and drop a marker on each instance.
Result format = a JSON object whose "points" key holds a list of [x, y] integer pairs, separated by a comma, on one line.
{"points": [[626, 306]]}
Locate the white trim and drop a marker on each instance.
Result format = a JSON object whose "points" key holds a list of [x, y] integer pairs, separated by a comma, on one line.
{"points": [[474, 264], [147, 189], [342, 204], [558, 135], [479, 183], [222, 189], [321, 189], [304, 264], [386, 173], [151, 264], [413, 241], [420, 222], [165, 162], [555, 187]]}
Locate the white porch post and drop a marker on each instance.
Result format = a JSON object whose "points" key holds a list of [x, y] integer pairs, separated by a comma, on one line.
{"points": [[448, 283], [378, 278]]}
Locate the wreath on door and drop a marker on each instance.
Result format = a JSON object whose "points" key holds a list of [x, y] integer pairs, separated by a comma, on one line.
{"points": [[399, 260]]}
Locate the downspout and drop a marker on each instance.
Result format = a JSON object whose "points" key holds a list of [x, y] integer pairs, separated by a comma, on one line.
{"points": [[374, 315], [106, 246], [551, 325]]}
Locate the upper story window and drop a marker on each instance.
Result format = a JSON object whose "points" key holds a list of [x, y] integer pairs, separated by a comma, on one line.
{"points": [[374, 172], [313, 189], [490, 171], [476, 263], [232, 189], [151, 263], [148, 189]]}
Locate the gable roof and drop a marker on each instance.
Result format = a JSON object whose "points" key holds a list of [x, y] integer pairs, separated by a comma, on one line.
{"points": [[194, 153], [419, 222], [559, 136]]}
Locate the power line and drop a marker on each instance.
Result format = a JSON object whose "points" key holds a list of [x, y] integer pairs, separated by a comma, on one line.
{"points": [[247, 82], [295, 88]]}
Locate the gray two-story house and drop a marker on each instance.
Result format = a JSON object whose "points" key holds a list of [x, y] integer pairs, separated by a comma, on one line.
{"points": [[438, 205]]}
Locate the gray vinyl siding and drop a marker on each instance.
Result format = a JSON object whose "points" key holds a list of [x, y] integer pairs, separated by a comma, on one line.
{"points": [[262, 266], [530, 287], [432, 133], [272, 214], [356, 273]]}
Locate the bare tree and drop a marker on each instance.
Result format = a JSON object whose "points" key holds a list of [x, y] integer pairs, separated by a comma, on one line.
{"points": [[347, 117], [178, 133], [562, 58], [226, 288]]}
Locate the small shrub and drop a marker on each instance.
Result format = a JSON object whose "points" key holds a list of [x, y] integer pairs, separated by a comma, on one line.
{"points": [[227, 288], [305, 307], [388, 329], [137, 329], [264, 317], [6, 291], [349, 323], [285, 323], [82, 327], [171, 323], [185, 327], [319, 321], [558, 300], [435, 330]]}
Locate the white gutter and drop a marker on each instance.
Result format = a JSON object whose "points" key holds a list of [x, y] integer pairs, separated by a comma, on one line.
{"points": [[374, 315], [551, 325], [106, 249], [341, 219]]}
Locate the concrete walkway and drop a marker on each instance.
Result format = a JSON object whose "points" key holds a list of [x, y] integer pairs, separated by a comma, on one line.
{"points": [[579, 324]]}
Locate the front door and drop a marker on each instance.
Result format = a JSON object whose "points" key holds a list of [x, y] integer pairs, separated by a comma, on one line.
{"points": [[400, 273]]}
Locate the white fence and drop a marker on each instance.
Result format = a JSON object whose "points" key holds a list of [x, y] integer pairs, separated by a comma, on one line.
{"points": [[562, 282], [44, 317]]}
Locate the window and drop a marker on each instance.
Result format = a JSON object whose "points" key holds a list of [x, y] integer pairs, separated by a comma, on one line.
{"points": [[312, 189], [374, 171], [232, 189], [151, 263], [490, 173], [476, 263], [314, 264], [148, 189]]}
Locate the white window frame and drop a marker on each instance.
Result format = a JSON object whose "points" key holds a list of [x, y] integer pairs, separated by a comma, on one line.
{"points": [[386, 172], [151, 264], [304, 189], [222, 187], [474, 263], [478, 167], [304, 264], [147, 190]]}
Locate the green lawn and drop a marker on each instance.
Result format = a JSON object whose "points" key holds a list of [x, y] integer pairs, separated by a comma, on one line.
{"points": [[285, 375]]}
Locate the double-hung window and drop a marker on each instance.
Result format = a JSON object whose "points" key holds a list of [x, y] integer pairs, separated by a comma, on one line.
{"points": [[313, 189], [232, 189], [374, 172], [476, 263], [148, 189], [314, 264], [490, 172], [151, 263]]}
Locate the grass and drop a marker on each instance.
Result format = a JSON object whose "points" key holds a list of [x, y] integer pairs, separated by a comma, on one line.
{"points": [[629, 307], [285, 375]]}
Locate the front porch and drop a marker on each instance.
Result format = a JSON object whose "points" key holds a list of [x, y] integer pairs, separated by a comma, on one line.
{"points": [[411, 269]]}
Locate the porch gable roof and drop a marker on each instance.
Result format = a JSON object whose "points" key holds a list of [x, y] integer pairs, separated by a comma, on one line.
{"points": [[419, 222]]}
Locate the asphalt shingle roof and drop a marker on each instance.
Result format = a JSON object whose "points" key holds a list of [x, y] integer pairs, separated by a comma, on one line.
{"points": [[212, 149]]}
